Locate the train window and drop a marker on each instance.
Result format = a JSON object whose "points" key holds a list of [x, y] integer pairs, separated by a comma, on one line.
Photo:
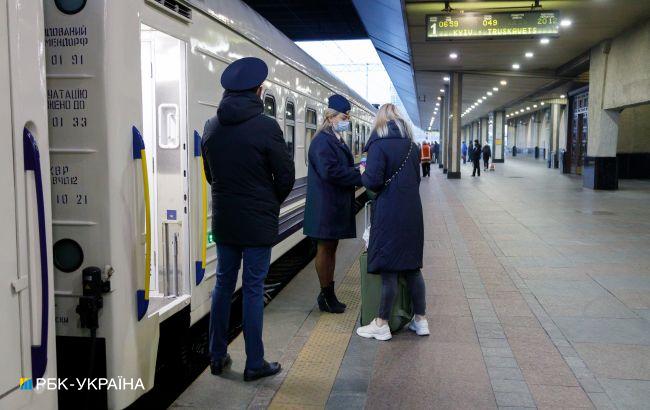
{"points": [[269, 105], [349, 138], [67, 255], [70, 6], [357, 137], [290, 126], [311, 121]]}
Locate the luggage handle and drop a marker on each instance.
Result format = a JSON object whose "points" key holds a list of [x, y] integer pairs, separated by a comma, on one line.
{"points": [[366, 215]]}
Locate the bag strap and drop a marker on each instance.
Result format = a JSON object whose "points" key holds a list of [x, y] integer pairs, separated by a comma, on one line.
{"points": [[408, 154]]}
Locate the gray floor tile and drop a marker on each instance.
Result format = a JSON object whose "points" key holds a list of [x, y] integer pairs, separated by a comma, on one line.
{"points": [[510, 399], [627, 394], [623, 331]]}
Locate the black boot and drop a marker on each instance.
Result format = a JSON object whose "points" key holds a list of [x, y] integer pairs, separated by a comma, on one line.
{"points": [[335, 298], [327, 301]]}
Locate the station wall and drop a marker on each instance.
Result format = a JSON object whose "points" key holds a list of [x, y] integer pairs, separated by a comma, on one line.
{"points": [[633, 146]]}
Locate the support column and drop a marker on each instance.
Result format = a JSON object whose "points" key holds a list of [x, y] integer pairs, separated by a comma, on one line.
{"points": [[600, 169], [498, 126], [443, 130], [555, 134], [455, 109], [443, 142], [484, 131], [515, 130]]}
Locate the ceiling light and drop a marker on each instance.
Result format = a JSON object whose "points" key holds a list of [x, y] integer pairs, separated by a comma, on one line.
{"points": [[544, 40], [529, 54], [515, 66], [495, 89], [527, 108], [439, 98], [483, 98], [442, 90], [542, 103], [437, 104], [489, 93], [563, 96], [534, 105], [504, 82], [446, 78], [565, 22], [453, 56]]}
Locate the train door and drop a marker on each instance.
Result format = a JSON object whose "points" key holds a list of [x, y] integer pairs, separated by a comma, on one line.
{"points": [[10, 344], [26, 298], [164, 108]]}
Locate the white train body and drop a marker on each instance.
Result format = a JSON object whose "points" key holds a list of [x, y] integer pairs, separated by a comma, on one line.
{"points": [[118, 70], [26, 291]]}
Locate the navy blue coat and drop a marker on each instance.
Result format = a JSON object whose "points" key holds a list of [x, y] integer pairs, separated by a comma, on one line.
{"points": [[250, 170], [397, 228], [331, 181]]}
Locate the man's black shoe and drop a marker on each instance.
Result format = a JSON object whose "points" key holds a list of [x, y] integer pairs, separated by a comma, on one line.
{"points": [[268, 369], [216, 367]]}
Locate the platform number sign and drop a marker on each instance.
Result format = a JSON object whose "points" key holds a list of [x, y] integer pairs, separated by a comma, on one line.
{"points": [[70, 6]]}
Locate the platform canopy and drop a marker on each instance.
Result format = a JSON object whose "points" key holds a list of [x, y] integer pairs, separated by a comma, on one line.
{"points": [[486, 60]]}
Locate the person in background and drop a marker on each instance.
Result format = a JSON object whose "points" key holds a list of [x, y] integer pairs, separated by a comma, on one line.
{"points": [[251, 173], [487, 153], [425, 159], [397, 228], [329, 208], [463, 151], [436, 152], [475, 157]]}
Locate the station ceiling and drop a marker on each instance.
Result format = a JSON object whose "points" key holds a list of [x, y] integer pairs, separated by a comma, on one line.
{"points": [[553, 69], [312, 20]]}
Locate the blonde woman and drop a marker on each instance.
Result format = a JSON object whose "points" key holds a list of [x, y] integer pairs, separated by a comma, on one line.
{"points": [[329, 209], [397, 231]]}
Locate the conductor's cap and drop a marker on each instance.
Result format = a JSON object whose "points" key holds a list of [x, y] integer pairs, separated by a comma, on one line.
{"points": [[244, 74], [339, 103]]}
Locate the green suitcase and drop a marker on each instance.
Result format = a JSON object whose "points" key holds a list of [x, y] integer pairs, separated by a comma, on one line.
{"points": [[402, 312]]}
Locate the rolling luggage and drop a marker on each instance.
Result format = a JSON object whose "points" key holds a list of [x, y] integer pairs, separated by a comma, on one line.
{"points": [[402, 312]]}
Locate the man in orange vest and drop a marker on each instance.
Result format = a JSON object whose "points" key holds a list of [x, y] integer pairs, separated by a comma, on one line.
{"points": [[425, 158]]}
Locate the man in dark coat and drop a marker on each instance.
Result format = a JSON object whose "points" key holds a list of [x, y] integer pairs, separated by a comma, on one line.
{"points": [[329, 208], [475, 156], [436, 152], [487, 153], [251, 173]]}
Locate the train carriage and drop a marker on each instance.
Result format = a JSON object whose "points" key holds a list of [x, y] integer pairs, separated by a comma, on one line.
{"points": [[130, 85]]}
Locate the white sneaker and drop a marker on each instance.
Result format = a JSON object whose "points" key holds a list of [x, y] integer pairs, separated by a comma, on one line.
{"points": [[373, 330], [421, 328]]}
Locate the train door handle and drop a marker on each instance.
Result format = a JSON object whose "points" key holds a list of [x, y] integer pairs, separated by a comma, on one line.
{"points": [[200, 264], [139, 153], [32, 162]]}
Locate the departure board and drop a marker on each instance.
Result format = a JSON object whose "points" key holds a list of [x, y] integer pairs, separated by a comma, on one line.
{"points": [[478, 25]]}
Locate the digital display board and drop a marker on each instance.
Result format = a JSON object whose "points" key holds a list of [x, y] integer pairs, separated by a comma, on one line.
{"points": [[480, 25]]}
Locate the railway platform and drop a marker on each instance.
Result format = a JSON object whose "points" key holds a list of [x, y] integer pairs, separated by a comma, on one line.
{"points": [[538, 296]]}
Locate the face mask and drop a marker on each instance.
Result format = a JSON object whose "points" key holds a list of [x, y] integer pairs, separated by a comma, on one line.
{"points": [[342, 126]]}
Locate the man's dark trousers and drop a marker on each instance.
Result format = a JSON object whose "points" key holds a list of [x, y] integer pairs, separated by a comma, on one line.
{"points": [[256, 266], [477, 167]]}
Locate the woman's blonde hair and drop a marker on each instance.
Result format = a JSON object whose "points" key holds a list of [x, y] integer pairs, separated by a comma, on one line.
{"points": [[388, 112], [327, 120]]}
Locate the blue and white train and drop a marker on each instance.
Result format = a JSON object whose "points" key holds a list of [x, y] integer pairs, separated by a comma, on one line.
{"points": [[130, 84]]}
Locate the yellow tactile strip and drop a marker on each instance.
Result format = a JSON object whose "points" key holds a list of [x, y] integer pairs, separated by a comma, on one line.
{"points": [[310, 379]]}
